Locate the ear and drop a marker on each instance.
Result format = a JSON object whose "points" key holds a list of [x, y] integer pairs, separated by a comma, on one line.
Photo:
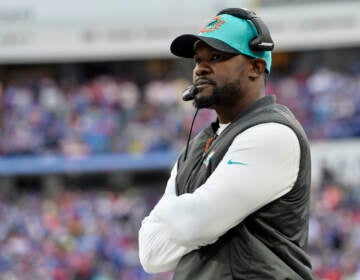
{"points": [[257, 68]]}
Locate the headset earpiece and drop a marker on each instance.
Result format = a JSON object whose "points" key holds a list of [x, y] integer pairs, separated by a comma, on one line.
{"points": [[263, 41]]}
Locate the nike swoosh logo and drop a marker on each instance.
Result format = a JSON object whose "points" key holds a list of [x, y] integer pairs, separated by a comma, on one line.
{"points": [[230, 161]]}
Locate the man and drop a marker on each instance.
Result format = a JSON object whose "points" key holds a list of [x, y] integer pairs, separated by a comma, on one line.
{"points": [[236, 205]]}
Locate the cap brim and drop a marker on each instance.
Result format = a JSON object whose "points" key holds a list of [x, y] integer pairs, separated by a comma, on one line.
{"points": [[183, 45]]}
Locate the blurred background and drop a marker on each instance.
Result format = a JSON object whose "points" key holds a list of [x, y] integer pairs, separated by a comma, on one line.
{"points": [[91, 121]]}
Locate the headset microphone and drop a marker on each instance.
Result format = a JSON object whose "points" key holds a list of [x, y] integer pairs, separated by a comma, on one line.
{"points": [[189, 93]]}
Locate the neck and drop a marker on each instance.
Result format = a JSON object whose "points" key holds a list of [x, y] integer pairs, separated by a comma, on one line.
{"points": [[227, 114]]}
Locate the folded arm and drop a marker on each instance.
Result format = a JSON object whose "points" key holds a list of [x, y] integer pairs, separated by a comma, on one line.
{"points": [[157, 252], [261, 165]]}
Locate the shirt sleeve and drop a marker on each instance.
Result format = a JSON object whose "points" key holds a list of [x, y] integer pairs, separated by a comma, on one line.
{"points": [[260, 166], [157, 252]]}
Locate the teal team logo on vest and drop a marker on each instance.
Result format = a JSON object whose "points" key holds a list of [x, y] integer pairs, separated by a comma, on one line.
{"points": [[208, 158]]}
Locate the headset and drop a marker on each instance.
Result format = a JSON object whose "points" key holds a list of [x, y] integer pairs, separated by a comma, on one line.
{"points": [[261, 42]]}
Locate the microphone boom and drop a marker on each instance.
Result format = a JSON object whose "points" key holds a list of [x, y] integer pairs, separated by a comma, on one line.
{"points": [[189, 93]]}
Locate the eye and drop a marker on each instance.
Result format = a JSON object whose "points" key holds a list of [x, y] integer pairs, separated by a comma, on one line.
{"points": [[197, 60], [217, 57], [212, 57]]}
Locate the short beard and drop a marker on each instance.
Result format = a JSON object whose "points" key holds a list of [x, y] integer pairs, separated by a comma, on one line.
{"points": [[221, 96]]}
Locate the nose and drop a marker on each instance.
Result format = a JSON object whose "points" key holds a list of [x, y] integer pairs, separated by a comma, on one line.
{"points": [[202, 69]]}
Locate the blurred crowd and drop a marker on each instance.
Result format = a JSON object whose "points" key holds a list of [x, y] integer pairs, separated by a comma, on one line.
{"points": [[109, 115], [103, 115], [334, 242], [92, 235], [327, 103], [72, 236]]}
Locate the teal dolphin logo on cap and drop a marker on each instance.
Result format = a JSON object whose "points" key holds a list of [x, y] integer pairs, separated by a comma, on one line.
{"points": [[214, 24]]}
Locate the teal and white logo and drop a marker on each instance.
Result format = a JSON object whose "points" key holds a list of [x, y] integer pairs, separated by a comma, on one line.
{"points": [[208, 158]]}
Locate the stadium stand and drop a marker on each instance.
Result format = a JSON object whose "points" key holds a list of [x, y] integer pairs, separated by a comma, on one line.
{"points": [[109, 115]]}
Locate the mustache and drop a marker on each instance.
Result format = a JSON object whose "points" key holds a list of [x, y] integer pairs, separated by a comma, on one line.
{"points": [[201, 80]]}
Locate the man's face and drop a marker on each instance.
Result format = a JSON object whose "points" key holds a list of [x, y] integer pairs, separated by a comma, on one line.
{"points": [[220, 77]]}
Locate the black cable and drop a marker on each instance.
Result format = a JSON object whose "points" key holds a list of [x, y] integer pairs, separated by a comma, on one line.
{"points": [[189, 136]]}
